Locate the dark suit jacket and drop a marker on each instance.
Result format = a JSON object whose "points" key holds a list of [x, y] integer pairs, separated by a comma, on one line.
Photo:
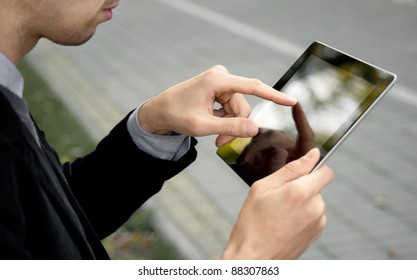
{"points": [[54, 211]]}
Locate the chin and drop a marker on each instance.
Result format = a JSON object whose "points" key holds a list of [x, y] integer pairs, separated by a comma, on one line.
{"points": [[80, 42], [72, 39]]}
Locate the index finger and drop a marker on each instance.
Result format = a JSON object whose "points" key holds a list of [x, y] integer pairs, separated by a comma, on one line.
{"points": [[232, 84]]}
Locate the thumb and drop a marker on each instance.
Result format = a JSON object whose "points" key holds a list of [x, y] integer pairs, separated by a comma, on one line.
{"points": [[235, 127], [297, 168]]}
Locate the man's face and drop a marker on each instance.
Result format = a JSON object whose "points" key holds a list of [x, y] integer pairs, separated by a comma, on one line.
{"points": [[66, 22]]}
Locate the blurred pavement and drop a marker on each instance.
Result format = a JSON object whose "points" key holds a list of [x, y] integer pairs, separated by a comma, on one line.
{"points": [[151, 45]]}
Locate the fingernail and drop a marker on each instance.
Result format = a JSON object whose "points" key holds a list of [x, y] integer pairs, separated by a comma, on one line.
{"points": [[311, 153], [292, 99]]}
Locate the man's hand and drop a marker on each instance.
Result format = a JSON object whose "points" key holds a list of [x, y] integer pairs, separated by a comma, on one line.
{"points": [[188, 108], [283, 213]]}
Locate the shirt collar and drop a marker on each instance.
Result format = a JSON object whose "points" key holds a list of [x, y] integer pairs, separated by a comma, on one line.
{"points": [[10, 76]]}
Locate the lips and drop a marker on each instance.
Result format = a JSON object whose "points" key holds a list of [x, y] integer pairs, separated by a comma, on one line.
{"points": [[108, 13]]}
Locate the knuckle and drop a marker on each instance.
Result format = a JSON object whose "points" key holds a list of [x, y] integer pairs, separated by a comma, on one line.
{"points": [[194, 126], [256, 83], [318, 212], [228, 127], [245, 108], [214, 72], [259, 188], [219, 67], [211, 75], [256, 186], [330, 173], [322, 206], [322, 223]]}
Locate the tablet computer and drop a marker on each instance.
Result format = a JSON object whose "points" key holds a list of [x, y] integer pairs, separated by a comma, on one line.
{"points": [[335, 91]]}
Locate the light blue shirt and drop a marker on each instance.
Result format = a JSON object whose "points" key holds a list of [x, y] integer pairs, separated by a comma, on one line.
{"points": [[168, 147]]}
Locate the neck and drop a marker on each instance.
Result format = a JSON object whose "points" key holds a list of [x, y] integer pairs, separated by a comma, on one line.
{"points": [[15, 42], [15, 48]]}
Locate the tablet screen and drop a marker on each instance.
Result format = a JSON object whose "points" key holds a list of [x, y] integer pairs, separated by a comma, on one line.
{"points": [[334, 92]]}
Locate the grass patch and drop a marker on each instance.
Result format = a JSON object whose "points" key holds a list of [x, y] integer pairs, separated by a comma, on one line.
{"points": [[62, 130], [136, 239]]}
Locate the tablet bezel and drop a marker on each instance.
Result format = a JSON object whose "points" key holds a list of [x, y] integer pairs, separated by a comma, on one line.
{"points": [[381, 80]]}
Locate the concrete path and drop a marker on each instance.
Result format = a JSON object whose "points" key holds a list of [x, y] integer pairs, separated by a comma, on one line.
{"points": [[153, 44]]}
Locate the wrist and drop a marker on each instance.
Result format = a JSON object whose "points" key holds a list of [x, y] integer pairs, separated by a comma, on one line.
{"points": [[150, 121], [236, 252]]}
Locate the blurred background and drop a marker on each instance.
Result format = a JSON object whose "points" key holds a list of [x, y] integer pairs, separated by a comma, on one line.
{"points": [[151, 45]]}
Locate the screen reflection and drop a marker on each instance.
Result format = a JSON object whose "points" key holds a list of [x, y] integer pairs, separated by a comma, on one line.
{"points": [[271, 149], [333, 89]]}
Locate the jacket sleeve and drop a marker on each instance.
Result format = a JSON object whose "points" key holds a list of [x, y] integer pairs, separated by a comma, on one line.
{"points": [[117, 178]]}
